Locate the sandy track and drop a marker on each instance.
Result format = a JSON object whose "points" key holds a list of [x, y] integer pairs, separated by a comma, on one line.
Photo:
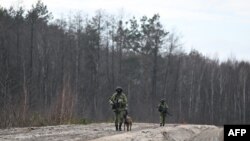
{"points": [[105, 132]]}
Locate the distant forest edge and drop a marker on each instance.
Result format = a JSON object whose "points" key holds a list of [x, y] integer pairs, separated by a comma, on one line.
{"points": [[63, 71]]}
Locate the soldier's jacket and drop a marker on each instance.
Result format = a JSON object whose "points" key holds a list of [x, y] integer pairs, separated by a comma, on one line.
{"points": [[162, 108], [118, 101]]}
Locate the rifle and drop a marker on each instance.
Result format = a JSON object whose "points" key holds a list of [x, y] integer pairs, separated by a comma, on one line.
{"points": [[116, 105], [165, 111]]}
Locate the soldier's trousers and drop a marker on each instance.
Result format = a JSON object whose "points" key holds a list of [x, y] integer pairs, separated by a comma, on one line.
{"points": [[162, 118], [118, 117]]}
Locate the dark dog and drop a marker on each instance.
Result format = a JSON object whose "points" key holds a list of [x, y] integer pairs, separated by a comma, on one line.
{"points": [[127, 121]]}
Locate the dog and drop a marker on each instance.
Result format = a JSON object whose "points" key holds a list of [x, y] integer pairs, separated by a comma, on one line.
{"points": [[127, 121]]}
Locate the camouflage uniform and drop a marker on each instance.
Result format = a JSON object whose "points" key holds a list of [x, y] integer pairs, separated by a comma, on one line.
{"points": [[118, 101], [162, 108]]}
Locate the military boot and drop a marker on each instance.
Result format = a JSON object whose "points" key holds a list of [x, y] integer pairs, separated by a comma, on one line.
{"points": [[116, 127], [120, 127]]}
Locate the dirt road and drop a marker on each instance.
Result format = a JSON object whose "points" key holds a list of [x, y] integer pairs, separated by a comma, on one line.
{"points": [[105, 132]]}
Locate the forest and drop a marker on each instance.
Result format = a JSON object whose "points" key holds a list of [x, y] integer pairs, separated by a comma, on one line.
{"points": [[58, 71]]}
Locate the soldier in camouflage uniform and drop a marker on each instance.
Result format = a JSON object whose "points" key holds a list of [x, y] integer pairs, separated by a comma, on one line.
{"points": [[118, 101], [163, 109]]}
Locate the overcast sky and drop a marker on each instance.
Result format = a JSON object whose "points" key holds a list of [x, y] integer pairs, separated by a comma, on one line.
{"points": [[217, 28]]}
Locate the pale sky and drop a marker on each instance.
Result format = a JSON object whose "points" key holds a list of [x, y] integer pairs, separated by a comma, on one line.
{"points": [[216, 28]]}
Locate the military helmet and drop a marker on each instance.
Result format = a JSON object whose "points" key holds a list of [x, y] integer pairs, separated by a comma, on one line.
{"points": [[118, 89], [162, 100]]}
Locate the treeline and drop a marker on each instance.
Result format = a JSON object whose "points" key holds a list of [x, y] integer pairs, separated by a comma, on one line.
{"points": [[62, 71]]}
